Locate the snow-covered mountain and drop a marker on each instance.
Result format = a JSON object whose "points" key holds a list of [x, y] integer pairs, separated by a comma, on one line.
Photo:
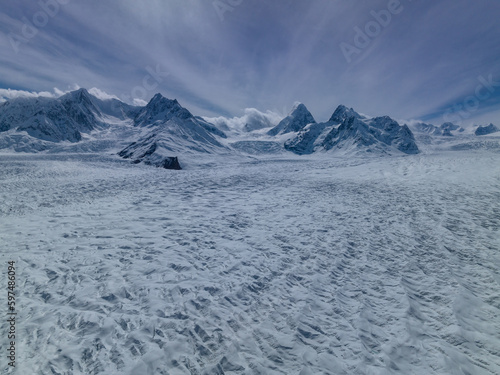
{"points": [[298, 118], [347, 130], [447, 129], [163, 130], [62, 119], [485, 130], [40, 124], [423, 128], [168, 129]]}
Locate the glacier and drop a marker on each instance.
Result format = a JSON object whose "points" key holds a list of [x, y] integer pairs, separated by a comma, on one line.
{"points": [[372, 248]]}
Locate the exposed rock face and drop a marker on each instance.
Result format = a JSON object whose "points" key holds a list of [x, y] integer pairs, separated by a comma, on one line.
{"points": [[171, 163], [298, 118], [306, 141], [485, 130], [147, 156], [350, 131]]}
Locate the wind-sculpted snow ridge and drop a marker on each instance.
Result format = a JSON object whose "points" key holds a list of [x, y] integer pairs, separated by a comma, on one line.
{"points": [[311, 266], [349, 131]]}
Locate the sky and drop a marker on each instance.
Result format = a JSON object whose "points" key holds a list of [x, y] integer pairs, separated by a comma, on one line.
{"points": [[433, 61]]}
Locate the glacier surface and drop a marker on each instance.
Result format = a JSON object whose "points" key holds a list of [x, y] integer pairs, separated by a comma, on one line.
{"points": [[259, 265]]}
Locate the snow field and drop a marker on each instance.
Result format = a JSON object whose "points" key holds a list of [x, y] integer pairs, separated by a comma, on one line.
{"points": [[313, 266]]}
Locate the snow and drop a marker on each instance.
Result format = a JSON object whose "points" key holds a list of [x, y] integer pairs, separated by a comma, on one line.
{"points": [[268, 265]]}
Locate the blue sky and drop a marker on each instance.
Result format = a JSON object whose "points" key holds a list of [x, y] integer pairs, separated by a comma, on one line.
{"points": [[410, 59]]}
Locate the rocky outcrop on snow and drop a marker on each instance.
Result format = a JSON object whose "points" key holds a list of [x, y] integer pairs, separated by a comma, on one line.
{"points": [[349, 131], [147, 154], [298, 118], [485, 130]]}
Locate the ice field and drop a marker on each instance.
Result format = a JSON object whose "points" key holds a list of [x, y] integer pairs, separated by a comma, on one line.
{"points": [[317, 265]]}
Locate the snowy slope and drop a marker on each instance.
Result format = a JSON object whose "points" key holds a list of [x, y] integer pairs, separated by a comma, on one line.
{"points": [[314, 266]]}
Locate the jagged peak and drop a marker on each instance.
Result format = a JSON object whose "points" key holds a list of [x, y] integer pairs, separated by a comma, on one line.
{"points": [[297, 105], [80, 94], [80, 97], [342, 112], [159, 99], [163, 108], [298, 108]]}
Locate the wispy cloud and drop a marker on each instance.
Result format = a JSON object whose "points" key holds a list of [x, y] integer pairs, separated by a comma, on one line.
{"points": [[100, 94], [6, 94], [263, 55], [251, 119]]}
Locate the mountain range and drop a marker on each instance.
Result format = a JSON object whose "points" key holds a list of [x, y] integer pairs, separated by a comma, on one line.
{"points": [[160, 132]]}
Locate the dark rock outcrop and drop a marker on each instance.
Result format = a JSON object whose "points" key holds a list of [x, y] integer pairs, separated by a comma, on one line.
{"points": [[485, 130]]}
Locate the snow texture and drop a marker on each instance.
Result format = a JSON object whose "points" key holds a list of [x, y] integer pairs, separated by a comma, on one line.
{"points": [[298, 265]]}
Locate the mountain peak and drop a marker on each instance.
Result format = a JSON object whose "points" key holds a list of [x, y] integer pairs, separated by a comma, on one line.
{"points": [[158, 100], [79, 95], [298, 118], [298, 108], [342, 113], [163, 109], [158, 97], [296, 105]]}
